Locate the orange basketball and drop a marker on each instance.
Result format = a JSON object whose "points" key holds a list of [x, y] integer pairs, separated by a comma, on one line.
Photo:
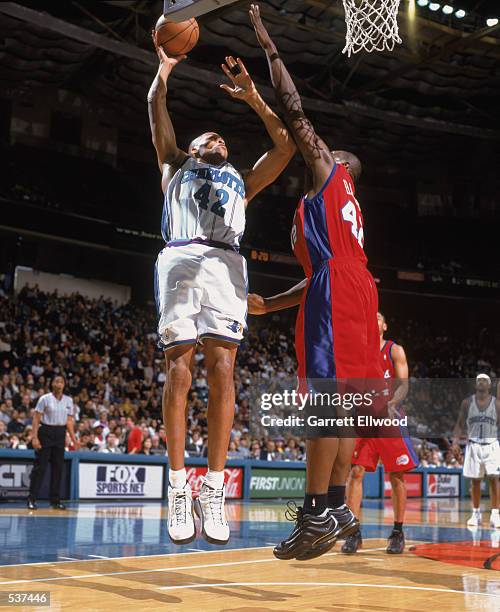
{"points": [[177, 38]]}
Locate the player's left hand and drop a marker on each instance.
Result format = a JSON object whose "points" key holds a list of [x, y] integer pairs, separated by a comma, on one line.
{"points": [[392, 409], [243, 86], [256, 304]]}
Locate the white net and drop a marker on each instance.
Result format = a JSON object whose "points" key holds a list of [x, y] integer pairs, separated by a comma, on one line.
{"points": [[372, 25]]}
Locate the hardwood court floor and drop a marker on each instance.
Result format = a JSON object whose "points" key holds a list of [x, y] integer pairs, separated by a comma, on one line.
{"points": [[117, 557]]}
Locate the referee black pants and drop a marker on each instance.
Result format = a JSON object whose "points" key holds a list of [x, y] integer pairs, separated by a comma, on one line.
{"points": [[52, 439]]}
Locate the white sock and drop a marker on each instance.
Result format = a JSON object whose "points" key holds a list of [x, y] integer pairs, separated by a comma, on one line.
{"points": [[494, 511], [215, 479], [476, 510], [177, 478]]}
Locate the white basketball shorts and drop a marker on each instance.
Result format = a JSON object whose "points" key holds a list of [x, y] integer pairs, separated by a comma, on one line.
{"points": [[481, 459], [201, 292]]}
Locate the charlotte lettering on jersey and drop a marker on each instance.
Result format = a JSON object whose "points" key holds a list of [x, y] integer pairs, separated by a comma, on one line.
{"points": [[215, 176]]}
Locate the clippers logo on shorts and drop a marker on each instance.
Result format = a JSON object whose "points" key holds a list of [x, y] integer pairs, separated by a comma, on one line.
{"points": [[120, 480], [403, 460], [234, 326]]}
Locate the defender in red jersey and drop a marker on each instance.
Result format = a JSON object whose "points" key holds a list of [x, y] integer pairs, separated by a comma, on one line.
{"points": [[397, 453], [336, 335]]}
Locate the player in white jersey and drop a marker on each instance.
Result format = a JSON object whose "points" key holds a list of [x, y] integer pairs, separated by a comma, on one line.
{"points": [[201, 284], [480, 414]]}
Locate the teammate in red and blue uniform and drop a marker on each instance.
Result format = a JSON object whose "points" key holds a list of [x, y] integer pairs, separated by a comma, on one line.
{"points": [[396, 453], [336, 334]]}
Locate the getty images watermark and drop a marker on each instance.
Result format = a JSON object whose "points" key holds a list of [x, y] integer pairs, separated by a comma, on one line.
{"points": [[342, 410]]}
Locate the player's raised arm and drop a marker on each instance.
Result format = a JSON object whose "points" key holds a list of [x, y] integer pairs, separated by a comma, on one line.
{"points": [[272, 163], [170, 157], [258, 305], [315, 152]]}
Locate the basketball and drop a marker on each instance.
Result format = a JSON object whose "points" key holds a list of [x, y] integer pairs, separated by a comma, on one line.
{"points": [[177, 38]]}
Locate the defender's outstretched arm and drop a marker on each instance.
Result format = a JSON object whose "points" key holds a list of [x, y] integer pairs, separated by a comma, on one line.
{"points": [[315, 152], [258, 305]]}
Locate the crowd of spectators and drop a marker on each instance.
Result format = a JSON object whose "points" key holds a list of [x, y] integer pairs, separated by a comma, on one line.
{"points": [[115, 374]]}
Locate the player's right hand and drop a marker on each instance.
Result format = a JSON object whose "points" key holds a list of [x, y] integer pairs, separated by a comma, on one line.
{"points": [[36, 444], [256, 304], [167, 64]]}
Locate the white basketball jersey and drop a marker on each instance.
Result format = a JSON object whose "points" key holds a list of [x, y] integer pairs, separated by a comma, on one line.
{"points": [[206, 202], [482, 424]]}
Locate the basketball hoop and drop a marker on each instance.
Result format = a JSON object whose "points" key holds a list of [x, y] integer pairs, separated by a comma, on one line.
{"points": [[372, 25]]}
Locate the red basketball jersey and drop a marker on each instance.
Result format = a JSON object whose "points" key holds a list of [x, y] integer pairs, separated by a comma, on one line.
{"points": [[330, 224], [386, 360]]}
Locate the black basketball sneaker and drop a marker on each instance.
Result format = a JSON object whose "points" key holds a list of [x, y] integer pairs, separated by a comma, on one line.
{"points": [[352, 543], [396, 543], [348, 523], [312, 536]]}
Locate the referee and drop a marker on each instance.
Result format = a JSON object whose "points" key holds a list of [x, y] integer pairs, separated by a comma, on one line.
{"points": [[53, 413]]}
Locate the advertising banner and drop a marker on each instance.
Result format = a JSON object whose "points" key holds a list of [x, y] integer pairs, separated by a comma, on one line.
{"points": [[268, 483], [120, 480], [233, 479], [15, 480], [443, 485]]}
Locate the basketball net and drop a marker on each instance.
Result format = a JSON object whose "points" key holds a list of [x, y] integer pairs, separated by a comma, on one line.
{"points": [[372, 25]]}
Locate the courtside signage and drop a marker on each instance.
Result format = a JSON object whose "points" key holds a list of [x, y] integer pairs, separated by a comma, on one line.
{"points": [[233, 479], [120, 480], [443, 485], [273, 483]]}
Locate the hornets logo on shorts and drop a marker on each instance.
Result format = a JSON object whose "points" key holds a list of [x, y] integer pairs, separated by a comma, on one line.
{"points": [[234, 326]]}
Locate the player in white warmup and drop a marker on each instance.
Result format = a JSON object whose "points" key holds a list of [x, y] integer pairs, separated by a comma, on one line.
{"points": [[480, 414], [201, 284]]}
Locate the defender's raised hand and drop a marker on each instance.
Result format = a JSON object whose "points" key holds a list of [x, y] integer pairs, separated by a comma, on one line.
{"points": [[243, 86], [260, 30], [167, 64]]}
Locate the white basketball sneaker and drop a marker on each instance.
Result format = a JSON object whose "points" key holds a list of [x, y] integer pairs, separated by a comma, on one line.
{"points": [[209, 506], [181, 528], [475, 519], [495, 519]]}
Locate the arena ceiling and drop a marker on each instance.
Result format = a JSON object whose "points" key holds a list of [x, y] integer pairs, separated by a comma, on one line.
{"points": [[439, 91]]}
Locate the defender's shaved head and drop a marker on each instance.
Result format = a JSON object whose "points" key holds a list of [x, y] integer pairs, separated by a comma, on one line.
{"points": [[351, 163]]}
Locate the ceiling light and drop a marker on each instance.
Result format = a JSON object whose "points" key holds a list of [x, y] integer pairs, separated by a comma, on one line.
{"points": [[460, 14], [447, 9], [434, 6], [492, 21], [422, 2]]}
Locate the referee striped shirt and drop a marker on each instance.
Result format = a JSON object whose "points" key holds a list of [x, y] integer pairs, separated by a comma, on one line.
{"points": [[54, 411]]}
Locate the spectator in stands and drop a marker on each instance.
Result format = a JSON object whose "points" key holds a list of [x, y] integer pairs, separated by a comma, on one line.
{"points": [[242, 446], [195, 446], [270, 453], [99, 438], [233, 452], [157, 446], [17, 424], [86, 441], [134, 437], [255, 452], [146, 446], [103, 422], [112, 445]]}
